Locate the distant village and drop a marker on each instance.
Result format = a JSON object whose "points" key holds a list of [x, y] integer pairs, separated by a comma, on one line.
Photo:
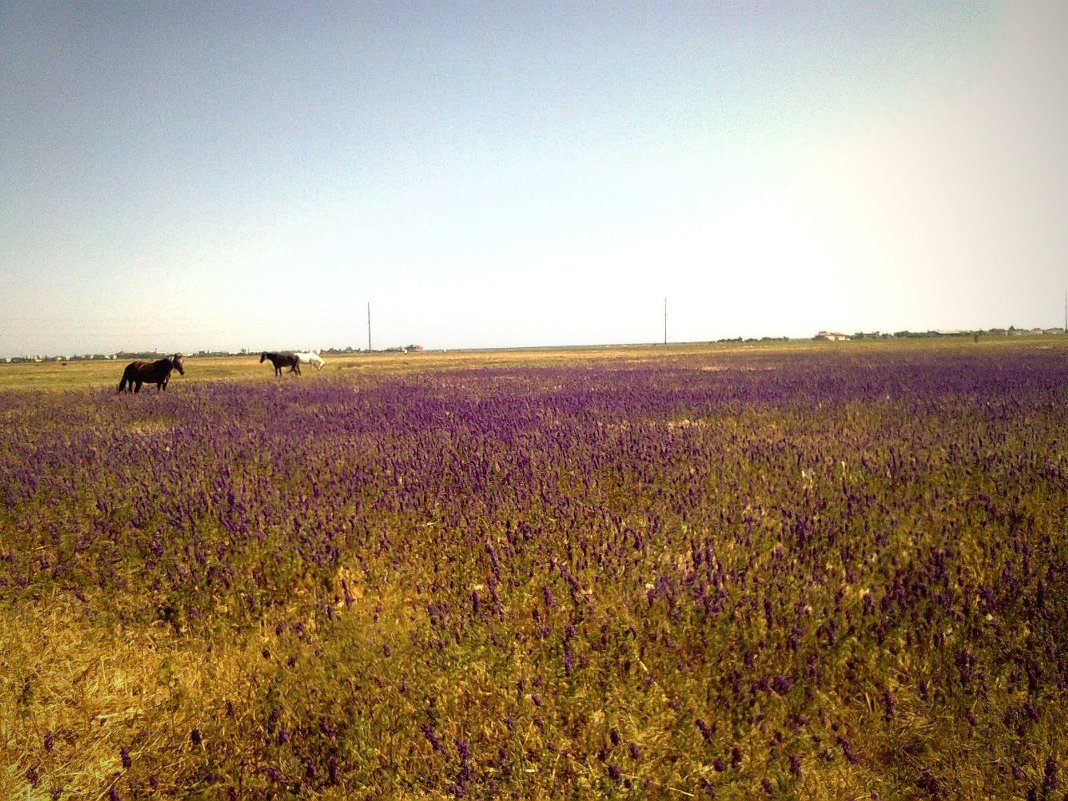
{"points": [[834, 336], [822, 336]]}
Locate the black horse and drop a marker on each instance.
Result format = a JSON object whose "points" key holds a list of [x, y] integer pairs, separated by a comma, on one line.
{"points": [[284, 359], [157, 372]]}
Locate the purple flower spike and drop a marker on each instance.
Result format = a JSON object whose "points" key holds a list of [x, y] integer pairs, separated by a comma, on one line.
{"points": [[49, 741], [195, 736], [706, 730], [795, 765], [432, 737], [889, 705], [847, 749], [736, 757], [614, 774], [782, 684], [1049, 776]]}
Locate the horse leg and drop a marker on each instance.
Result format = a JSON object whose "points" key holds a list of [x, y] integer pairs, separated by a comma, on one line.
{"points": [[137, 385]]}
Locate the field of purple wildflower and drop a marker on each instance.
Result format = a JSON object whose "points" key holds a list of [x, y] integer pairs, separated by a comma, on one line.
{"points": [[809, 573]]}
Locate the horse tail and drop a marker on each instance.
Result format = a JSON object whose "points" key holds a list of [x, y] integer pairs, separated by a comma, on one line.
{"points": [[122, 383]]}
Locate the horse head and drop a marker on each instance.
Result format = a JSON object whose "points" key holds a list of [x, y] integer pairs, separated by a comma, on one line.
{"points": [[263, 357], [176, 360]]}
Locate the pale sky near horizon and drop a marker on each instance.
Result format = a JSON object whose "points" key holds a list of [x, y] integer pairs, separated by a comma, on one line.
{"points": [[187, 176]]}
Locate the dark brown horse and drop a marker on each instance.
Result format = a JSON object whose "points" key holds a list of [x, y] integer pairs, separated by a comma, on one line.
{"points": [[157, 372], [284, 359]]}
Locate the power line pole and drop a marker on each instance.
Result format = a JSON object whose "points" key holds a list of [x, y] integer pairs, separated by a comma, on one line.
{"points": [[368, 327]]}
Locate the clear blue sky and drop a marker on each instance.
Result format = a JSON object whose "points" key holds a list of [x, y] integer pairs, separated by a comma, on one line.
{"points": [[185, 176]]}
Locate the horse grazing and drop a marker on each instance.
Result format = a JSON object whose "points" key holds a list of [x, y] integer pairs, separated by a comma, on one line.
{"points": [[157, 372], [311, 357], [280, 360]]}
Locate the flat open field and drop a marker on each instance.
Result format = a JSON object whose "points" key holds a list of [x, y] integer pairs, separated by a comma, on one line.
{"points": [[81, 374], [811, 571]]}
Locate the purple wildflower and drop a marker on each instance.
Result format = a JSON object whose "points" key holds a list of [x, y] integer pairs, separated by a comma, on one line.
{"points": [[1049, 776], [782, 684], [847, 749], [124, 755], [433, 738], [547, 594], [49, 741], [706, 730], [614, 774], [195, 736], [736, 757], [795, 765], [928, 782], [889, 705]]}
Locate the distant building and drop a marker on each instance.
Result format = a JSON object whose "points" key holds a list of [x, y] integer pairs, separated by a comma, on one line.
{"points": [[831, 336]]}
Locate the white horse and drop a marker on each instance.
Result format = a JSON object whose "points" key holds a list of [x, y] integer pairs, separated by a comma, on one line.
{"points": [[311, 357]]}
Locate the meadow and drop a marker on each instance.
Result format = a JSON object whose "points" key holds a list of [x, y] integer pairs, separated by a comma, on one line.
{"points": [[816, 571]]}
